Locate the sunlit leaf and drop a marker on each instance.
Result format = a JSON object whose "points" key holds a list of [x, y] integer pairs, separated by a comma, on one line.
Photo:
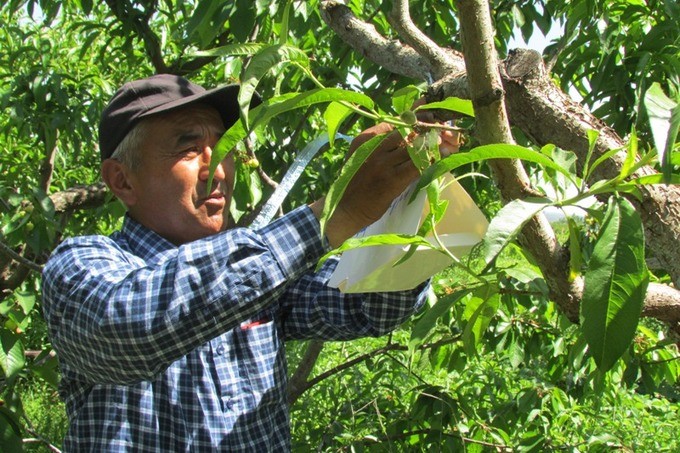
{"points": [[403, 99], [486, 152], [453, 104], [631, 154], [664, 120], [259, 65], [509, 221], [283, 32], [238, 49], [276, 106], [615, 284], [375, 240], [334, 115], [575, 254]]}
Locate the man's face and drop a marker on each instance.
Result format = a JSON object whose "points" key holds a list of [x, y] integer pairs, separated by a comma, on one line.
{"points": [[171, 193]]}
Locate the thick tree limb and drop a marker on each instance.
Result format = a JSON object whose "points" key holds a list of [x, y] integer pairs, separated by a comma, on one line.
{"points": [[363, 37], [492, 126], [80, 197], [547, 115]]}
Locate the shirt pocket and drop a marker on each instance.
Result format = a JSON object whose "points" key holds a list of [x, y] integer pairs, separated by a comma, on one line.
{"points": [[262, 357]]}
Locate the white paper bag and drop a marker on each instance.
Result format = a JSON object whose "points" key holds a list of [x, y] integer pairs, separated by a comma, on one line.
{"points": [[371, 269]]}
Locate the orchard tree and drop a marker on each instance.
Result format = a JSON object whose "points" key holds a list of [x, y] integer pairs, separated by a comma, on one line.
{"points": [[603, 283]]}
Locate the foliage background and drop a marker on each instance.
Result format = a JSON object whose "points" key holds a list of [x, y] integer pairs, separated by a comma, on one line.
{"points": [[527, 384]]}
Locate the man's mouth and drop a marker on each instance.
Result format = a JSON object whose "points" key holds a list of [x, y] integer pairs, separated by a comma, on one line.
{"points": [[215, 198]]}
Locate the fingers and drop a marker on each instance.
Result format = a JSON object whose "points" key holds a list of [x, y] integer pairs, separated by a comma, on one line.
{"points": [[449, 143]]}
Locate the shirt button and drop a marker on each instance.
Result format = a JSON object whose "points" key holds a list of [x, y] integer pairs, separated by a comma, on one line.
{"points": [[219, 350], [229, 404]]}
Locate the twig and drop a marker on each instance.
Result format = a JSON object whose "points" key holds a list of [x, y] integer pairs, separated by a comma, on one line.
{"points": [[4, 248], [47, 166], [369, 355], [456, 434], [37, 438]]}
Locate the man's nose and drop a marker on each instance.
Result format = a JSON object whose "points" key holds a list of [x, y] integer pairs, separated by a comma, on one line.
{"points": [[206, 157]]}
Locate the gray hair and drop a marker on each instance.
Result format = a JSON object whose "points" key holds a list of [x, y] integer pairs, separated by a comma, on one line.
{"points": [[127, 151]]}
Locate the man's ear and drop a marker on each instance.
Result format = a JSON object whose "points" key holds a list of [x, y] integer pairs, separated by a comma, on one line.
{"points": [[118, 177]]}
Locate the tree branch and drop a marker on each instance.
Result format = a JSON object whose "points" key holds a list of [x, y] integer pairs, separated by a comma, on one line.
{"points": [[19, 259], [296, 384], [492, 126], [128, 16], [439, 59], [80, 197], [47, 166], [363, 37], [303, 387]]}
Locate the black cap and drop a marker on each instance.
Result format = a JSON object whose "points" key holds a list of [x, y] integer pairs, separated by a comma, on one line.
{"points": [[160, 93]]}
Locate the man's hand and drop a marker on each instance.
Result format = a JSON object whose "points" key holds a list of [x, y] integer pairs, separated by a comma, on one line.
{"points": [[384, 176]]}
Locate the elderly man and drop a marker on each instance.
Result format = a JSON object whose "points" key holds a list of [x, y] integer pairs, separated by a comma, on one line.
{"points": [[170, 332]]}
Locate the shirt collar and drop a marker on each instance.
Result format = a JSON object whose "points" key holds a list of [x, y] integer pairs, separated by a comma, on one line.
{"points": [[141, 241]]}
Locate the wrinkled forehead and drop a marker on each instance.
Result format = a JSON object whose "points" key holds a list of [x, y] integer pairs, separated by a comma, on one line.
{"points": [[196, 117]]}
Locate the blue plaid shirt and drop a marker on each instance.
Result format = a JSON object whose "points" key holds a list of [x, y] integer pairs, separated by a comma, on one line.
{"points": [[166, 348]]}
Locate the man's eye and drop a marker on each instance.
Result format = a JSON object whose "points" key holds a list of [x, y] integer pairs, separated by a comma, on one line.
{"points": [[192, 150]]}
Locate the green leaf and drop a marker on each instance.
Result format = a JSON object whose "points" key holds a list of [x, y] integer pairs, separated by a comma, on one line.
{"points": [[238, 49], [592, 141], [403, 99], [509, 221], [201, 21], [486, 299], [664, 120], [615, 284], [453, 104], [604, 157], [249, 193], [283, 33], [258, 67], [337, 189], [334, 115], [10, 431], [486, 152], [428, 321], [374, 240], [631, 154], [276, 106], [26, 300], [654, 179], [575, 255], [47, 368], [11, 353]]}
